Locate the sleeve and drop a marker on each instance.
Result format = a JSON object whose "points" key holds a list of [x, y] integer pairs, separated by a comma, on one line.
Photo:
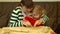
{"points": [[14, 22], [44, 18], [20, 18]]}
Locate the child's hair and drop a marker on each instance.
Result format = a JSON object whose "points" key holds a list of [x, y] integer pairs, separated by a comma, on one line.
{"points": [[38, 10]]}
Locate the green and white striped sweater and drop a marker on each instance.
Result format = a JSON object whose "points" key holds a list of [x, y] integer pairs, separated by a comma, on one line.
{"points": [[17, 17]]}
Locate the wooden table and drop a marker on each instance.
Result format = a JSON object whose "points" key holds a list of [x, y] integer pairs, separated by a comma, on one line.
{"points": [[27, 30]]}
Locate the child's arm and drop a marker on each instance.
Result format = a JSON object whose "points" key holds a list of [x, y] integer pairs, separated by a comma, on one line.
{"points": [[40, 21]]}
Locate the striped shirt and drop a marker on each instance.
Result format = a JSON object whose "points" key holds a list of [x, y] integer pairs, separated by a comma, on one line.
{"points": [[17, 16]]}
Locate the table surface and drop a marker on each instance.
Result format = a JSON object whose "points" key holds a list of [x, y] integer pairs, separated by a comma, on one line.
{"points": [[26, 30], [0, 30]]}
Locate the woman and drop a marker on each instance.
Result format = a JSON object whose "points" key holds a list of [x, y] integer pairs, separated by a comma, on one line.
{"points": [[20, 11]]}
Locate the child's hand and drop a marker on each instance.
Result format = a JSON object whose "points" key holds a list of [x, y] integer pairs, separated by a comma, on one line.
{"points": [[38, 22], [26, 23]]}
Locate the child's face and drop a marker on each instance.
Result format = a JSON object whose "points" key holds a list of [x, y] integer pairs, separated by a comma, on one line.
{"points": [[36, 13]]}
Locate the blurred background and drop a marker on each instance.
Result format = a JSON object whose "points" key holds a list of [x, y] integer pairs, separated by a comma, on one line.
{"points": [[52, 7]]}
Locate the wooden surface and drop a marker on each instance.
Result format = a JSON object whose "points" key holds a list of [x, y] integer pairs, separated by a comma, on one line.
{"points": [[27, 30]]}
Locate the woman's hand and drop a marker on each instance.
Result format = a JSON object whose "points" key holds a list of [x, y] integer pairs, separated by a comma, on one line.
{"points": [[26, 23], [38, 22]]}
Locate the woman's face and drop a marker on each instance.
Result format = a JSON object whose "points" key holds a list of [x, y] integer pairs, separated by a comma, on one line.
{"points": [[25, 9]]}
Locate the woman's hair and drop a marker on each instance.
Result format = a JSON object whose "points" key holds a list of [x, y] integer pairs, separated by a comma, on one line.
{"points": [[27, 3]]}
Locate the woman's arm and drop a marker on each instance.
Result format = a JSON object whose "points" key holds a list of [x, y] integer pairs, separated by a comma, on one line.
{"points": [[13, 22], [25, 22]]}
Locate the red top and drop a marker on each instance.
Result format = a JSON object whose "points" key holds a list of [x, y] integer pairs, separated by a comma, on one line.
{"points": [[32, 21]]}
